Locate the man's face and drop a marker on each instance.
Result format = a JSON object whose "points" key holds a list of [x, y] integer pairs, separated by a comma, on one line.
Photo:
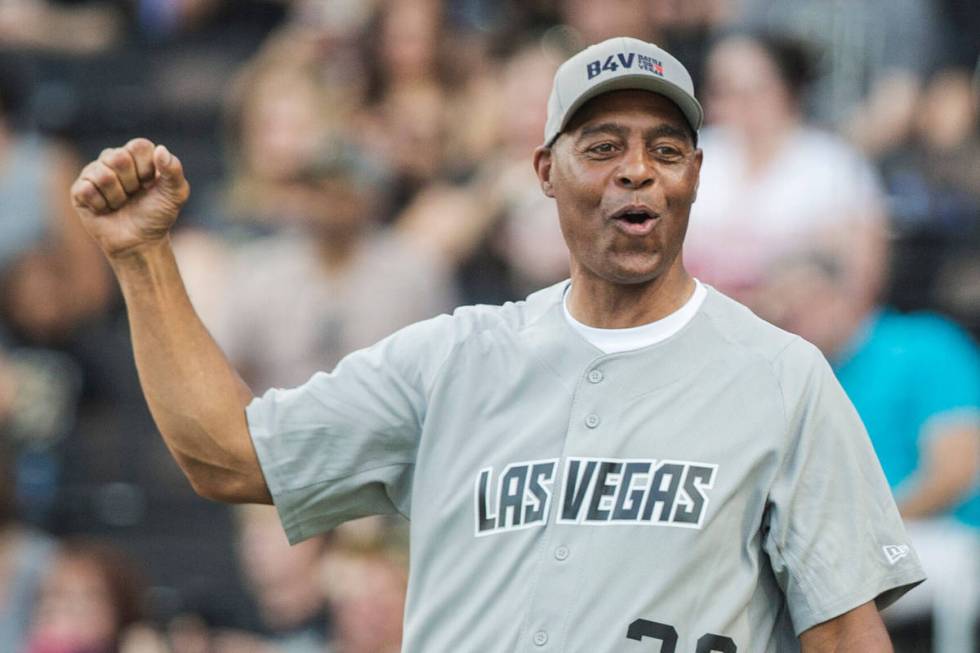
{"points": [[624, 175]]}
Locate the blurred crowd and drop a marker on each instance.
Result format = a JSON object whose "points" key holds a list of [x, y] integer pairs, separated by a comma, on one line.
{"points": [[358, 165]]}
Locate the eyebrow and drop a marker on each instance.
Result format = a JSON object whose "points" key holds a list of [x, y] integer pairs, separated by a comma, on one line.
{"points": [[650, 134]]}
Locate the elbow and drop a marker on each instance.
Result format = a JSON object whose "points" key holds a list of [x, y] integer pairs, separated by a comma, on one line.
{"points": [[207, 489], [226, 486]]}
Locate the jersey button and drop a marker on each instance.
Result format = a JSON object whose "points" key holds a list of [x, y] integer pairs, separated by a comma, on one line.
{"points": [[595, 376], [540, 638], [592, 421], [561, 553]]}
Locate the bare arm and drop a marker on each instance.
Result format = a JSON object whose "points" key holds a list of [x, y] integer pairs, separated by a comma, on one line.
{"points": [[127, 200], [949, 469], [858, 631]]}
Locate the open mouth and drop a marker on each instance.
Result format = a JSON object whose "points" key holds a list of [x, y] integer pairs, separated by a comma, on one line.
{"points": [[635, 220]]}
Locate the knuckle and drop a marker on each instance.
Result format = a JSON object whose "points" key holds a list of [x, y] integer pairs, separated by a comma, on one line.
{"points": [[89, 169], [139, 144], [78, 190], [103, 177], [88, 195], [118, 158]]}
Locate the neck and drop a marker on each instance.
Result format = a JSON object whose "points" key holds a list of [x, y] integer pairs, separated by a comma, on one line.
{"points": [[605, 305]]}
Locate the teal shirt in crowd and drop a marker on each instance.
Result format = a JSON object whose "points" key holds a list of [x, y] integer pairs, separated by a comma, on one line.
{"points": [[908, 375]]}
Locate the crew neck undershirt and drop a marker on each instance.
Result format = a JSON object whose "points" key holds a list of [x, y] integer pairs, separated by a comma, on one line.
{"points": [[612, 341]]}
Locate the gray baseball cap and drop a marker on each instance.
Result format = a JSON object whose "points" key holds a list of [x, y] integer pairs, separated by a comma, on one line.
{"points": [[618, 64]]}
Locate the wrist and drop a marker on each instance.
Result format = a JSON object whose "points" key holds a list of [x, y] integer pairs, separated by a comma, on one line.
{"points": [[138, 256], [148, 265]]}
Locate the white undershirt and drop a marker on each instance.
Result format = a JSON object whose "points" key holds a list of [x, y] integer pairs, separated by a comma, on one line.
{"points": [[611, 341]]}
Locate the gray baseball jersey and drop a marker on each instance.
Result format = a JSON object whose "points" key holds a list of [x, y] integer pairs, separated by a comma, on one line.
{"points": [[712, 492]]}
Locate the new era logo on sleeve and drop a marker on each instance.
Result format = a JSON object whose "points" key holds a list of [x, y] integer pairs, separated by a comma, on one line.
{"points": [[895, 552]]}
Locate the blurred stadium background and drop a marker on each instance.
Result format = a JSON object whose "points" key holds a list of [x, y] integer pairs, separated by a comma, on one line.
{"points": [[357, 165]]}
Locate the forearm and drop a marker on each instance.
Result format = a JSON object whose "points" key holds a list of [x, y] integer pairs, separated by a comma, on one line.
{"points": [[195, 396]]}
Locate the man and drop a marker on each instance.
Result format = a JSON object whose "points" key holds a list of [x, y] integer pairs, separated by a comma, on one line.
{"points": [[627, 461]]}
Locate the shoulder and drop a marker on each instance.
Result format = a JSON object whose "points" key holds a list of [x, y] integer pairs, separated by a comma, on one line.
{"points": [[791, 363], [509, 317], [744, 331], [437, 338]]}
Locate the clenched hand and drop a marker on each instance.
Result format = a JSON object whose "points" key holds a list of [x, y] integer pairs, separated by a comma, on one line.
{"points": [[130, 196]]}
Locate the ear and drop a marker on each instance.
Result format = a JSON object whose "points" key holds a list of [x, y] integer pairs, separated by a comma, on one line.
{"points": [[542, 166]]}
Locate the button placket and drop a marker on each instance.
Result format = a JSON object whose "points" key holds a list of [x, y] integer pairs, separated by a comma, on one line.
{"points": [[545, 626]]}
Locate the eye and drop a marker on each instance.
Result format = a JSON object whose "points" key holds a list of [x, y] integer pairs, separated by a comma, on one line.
{"points": [[668, 152], [602, 149]]}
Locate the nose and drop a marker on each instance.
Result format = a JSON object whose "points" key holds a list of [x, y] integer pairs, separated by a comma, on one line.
{"points": [[636, 170]]}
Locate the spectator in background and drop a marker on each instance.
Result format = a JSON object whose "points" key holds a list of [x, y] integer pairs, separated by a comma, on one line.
{"points": [[687, 27], [329, 37], [365, 584], [875, 55], [404, 123], [597, 21], [497, 229], [934, 175], [92, 593], [278, 118], [915, 381], [770, 184], [284, 582], [76, 28], [339, 283], [529, 239], [933, 180], [51, 276], [683, 27]]}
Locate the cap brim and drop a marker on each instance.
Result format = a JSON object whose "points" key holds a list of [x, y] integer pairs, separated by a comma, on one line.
{"points": [[689, 106]]}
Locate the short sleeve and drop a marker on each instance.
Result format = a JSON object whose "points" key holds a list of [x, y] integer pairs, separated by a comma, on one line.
{"points": [[343, 445], [833, 533]]}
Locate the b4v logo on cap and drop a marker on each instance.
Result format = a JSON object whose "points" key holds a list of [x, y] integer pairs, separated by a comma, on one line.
{"points": [[626, 60]]}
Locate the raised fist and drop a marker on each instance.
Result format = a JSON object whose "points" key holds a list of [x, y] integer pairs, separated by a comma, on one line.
{"points": [[130, 196]]}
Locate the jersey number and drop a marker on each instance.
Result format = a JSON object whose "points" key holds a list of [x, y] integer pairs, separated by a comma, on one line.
{"points": [[667, 634]]}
